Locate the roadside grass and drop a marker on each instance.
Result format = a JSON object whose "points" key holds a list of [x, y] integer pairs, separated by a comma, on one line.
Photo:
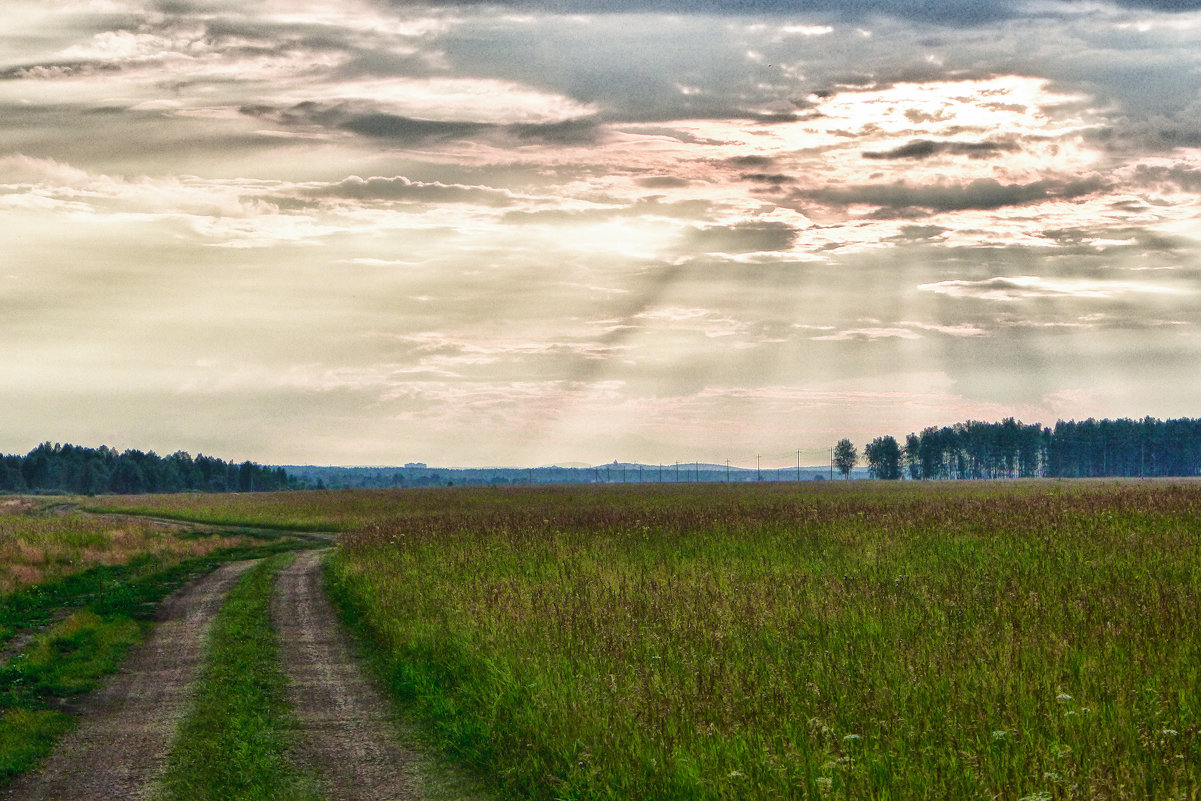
{"points": [[440, 778], [1009, 641], [233, 744], [26, 735]]}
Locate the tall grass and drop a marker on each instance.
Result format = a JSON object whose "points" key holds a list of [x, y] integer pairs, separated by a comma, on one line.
{"points": [[36, 550], [1001, 641]]}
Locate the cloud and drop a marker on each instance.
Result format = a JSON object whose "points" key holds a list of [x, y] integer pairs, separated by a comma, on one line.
{"points": [[1185, 177], [663, 182], [775, 179], [901, 330], [649, 207], [951, 13], [678, 318], [925, 148], [749, 237], [982, 193], [751, 161], [1024, 287], [408, 129], [566, 132], [361, 118], [400, 188]]}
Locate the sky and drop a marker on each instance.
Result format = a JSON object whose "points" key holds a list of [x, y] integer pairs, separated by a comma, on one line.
{"points": [[368, 232]]}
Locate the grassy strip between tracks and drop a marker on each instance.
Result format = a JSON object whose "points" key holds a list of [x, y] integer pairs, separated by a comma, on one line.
{"points": [[107, 610], [233, 744]]}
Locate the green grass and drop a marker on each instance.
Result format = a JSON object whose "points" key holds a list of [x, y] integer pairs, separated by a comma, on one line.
{"points": [[233, 745], [952, 641], [72, 656], [26, 735]]}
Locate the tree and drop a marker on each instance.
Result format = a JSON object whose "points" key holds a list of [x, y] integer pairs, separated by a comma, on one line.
{"points": [[913, 456], [883, 456], [845, 457]]}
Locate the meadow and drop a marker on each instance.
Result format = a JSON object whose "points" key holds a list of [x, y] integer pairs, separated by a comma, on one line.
{"points": [[1029, 640]]}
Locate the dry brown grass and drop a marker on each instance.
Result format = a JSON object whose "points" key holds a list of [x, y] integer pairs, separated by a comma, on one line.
{"points": [[34, 550]]}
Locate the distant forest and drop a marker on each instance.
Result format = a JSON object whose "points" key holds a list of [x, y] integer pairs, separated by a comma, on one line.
{"points": [[86, 471], [1011, 449], [970, 450]]}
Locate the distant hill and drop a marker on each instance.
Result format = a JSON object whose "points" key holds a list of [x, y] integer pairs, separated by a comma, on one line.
{"points": [[422, 475]]}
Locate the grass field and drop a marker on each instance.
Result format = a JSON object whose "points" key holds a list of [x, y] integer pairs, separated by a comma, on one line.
{"points": [[1022, 641]]}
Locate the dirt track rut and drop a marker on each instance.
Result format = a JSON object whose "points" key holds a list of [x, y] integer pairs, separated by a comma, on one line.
{"points": [[128, 725], [346, 734]]}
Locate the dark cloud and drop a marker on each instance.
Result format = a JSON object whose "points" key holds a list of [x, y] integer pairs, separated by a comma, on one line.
{"points": [[751, 161], [920, 233], [567, 132], [925, 148], [400, 188], [775, 179], [948, 13], [364, 121], [951, 13], [1163, 5], [984, 193], [1180, 128], [410, 129], [57, 69], [1184, 177], [663, 182], [741, 238]]}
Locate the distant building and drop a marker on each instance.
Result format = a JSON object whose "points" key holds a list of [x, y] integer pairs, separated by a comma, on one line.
{"points": [[416, 465]]}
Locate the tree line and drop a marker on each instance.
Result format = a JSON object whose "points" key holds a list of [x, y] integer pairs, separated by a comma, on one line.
{"points": [[85, 471], [1012, 449]]}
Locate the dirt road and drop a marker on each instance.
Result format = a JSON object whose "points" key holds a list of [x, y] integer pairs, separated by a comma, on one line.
{"points": [[346, 735], [127, 726]]}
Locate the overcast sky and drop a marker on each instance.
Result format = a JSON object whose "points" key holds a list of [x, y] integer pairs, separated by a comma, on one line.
{"points": [[467, 233]]}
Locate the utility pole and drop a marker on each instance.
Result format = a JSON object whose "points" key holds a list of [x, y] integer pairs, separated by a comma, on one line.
{"points": [[727, 471], [758, 472], [831, 463], [677, 472], [696, 470], [798, 464]]}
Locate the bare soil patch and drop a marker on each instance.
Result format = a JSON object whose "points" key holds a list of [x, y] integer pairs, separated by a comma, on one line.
{"points": [[347, 736], [127, 726]]}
